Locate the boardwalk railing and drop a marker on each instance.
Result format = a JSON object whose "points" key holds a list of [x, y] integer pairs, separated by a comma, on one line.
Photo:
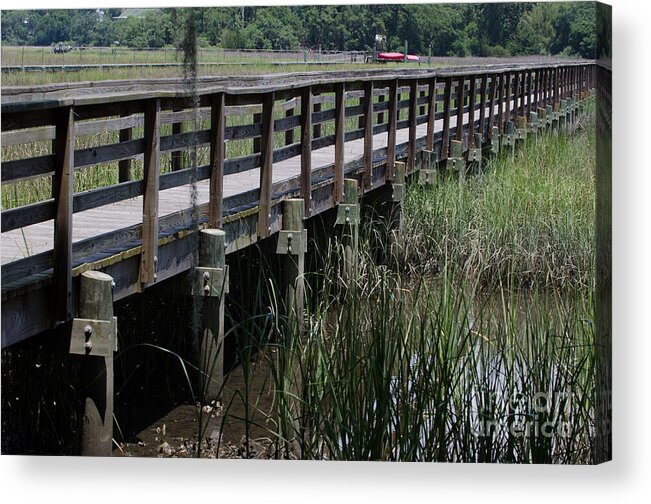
{"points": [[57, 133]]}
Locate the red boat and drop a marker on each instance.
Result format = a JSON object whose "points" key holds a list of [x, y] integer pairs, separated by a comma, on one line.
{"points": [[396, 56]]}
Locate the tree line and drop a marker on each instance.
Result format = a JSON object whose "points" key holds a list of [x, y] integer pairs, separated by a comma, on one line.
{"points": [[488, 29]]}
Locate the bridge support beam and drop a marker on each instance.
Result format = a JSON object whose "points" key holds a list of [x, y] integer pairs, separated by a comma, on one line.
{"points": [[210, 282], [94, 338]]}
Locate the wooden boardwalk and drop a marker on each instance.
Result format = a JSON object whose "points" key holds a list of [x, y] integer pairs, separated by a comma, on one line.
{"points": [[36, 238], [137, 231]]}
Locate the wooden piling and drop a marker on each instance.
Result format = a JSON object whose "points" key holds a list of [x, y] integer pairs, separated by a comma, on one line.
{"points": [[348, 219], [293, 264], [211, 357], [96, 303], [124, 165], [455, 161], [394, 225]]}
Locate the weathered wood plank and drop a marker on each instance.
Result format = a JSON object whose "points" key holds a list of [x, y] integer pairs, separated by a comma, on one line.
{"points": [[106, 195], [306, 149], [491, 107], [63, 198], [316, 133], [507, 104], [106, 153], [460, 104], [124, 165], [24, 169], [27, 215], [447, 105], [482, 106], [217, 157], [392, 124], [266, 165], [431, 112], [340, 129], [368, 135], [151, 167], [177, 155], [472, 97], [413, 114]]}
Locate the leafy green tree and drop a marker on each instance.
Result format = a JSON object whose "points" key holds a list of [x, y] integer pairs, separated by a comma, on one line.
{"points": [[535, 31]]}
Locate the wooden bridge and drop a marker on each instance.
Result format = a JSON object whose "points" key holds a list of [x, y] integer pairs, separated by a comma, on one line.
{"points": [[232, 162], [350, 125]]}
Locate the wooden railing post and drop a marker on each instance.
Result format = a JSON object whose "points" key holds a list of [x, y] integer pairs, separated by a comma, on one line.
{"points": [[368, 135], [472, 97], [177, 156], [431, 113], [482, 104], [515, 92], [63, 197], [447, 105], [413, 114], [524, 88], [316, 132], [391, 135], [266, 165], [340, 129], [421, 110], [460, 102], [491, 115], [536, 92], [500, 109], [507, 112], [289, 134], [529, 92], [217, 156], [555, 88], [124, 165], [306, 148], [380, 117], [257, 118], [151, 168]]}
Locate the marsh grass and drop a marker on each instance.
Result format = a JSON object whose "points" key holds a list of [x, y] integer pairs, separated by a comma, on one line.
{"points": [[527, 218], [407, 370], [483, 352]]}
